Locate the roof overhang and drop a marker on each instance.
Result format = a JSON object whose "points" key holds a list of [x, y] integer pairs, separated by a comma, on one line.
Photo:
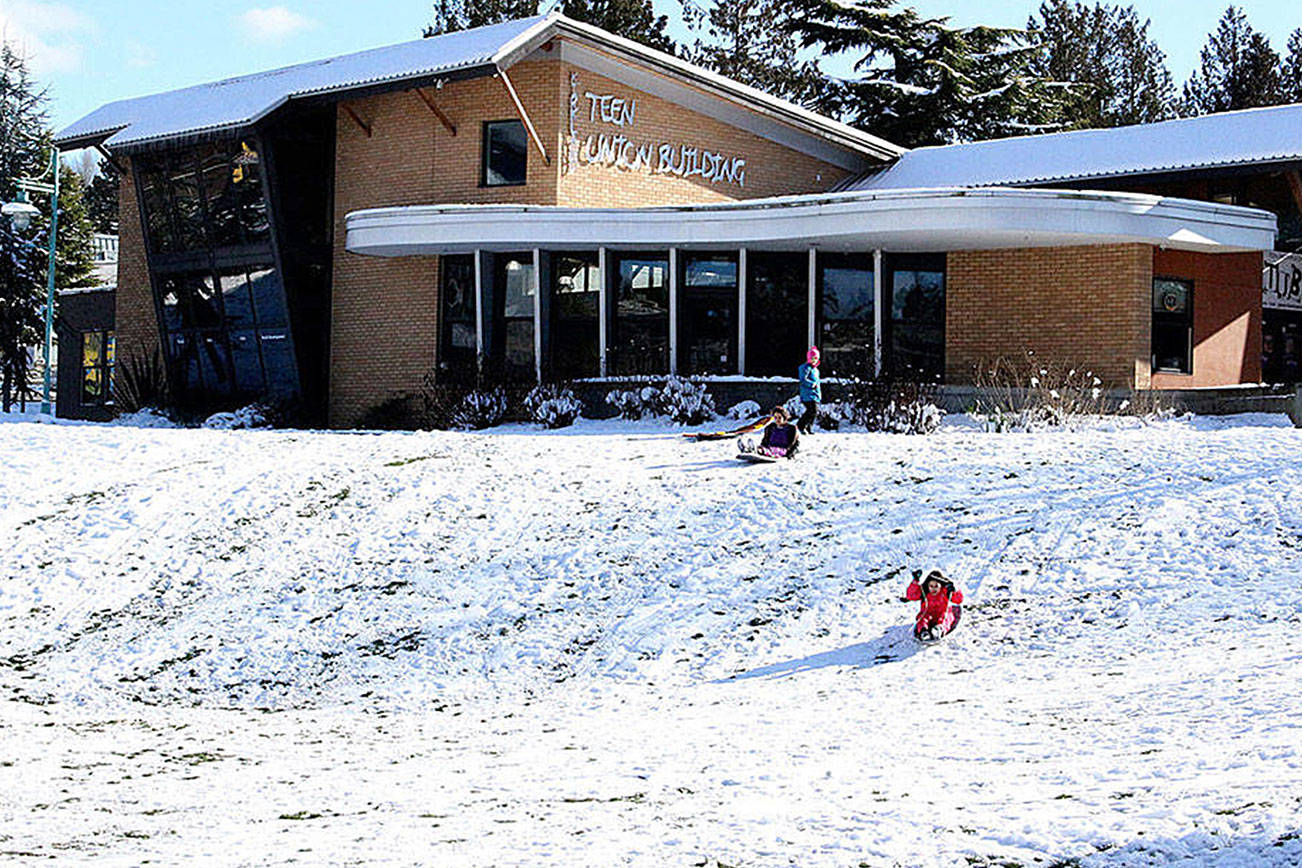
{"points": [[896, 220]]}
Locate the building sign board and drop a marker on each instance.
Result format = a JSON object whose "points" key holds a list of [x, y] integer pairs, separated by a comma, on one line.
{"points": [[614, 142], [1281, 281]]}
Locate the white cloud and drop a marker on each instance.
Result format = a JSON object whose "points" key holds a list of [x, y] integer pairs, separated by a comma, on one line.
{"points": [[45, 33], [140, 55], [272, 24]]}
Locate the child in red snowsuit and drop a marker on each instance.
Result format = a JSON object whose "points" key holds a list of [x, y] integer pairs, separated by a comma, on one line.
{"points": [[941, 605]]}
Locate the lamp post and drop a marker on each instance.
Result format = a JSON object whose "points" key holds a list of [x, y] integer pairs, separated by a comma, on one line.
{"points": [[20, 213]]}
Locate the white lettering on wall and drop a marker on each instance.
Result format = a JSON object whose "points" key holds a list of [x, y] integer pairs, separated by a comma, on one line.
{"points": [[623, 151]]}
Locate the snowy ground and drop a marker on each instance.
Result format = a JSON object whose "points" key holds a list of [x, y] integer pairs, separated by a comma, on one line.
{"points": [[612, 647]]}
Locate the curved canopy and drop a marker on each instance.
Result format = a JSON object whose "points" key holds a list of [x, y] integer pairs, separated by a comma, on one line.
{"points": [[897, 220]]}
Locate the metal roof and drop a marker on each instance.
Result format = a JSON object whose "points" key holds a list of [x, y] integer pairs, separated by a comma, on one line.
{"points": [[241, 102], [1249, 137]]}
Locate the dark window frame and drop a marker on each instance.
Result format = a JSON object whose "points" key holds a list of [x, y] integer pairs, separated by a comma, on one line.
{"points": [[449, 354], [1183, 320], [560, 323], [861, 261], [485, 150], [617, 362], [710, 296]]}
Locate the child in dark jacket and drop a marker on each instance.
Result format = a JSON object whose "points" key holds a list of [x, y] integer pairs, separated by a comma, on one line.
{"points": [[940, 605], [781, 439]]}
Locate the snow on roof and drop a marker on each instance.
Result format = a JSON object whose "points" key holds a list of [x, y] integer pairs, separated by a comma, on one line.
{"points": [[1261, 135], [239, 102]]}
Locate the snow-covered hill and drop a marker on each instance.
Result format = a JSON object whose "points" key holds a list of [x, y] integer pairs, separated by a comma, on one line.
{"points": [[608, 646]]}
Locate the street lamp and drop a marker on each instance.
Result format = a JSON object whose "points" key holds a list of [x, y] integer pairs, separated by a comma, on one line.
{"points": [[20, 213]]}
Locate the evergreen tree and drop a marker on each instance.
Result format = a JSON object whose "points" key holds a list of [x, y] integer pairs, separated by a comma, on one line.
{"points": [[102, 198], [1291, 74], [632, 19], [1121, 73], [450, 16], [1238, 70], [748, 41], [925, 83], [25, 152]]}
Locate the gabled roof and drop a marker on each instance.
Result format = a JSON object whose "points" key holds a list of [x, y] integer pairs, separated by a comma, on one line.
{"points": [[240, 102], [1249, 137], [237, 103]]}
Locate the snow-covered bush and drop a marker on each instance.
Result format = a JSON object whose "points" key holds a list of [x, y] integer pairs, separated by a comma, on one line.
{"points": [[1030, 393], [744, 410], [682, 401], [553, 406], [480, 409], [252, 416], [145, 417], [892, 407]]}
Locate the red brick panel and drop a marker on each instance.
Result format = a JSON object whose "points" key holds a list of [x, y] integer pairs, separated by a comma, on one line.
{"points": [[1227, 316], [136, 322]]}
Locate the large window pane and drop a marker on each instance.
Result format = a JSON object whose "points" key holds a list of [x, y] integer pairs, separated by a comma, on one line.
{"points": [[220, 197], [777, 313], [515, 279], [847, 317], [917, 338], [214, 362], [268, 296], [505, 153], [575, 302], [460, 344], [246, 360], [187, 201], [247, 180], [639, 343], [707, 325], [236, 300], [278, 361]]}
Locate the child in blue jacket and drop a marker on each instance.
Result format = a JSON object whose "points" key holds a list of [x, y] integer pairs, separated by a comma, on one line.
{"points": [[811, 391]]}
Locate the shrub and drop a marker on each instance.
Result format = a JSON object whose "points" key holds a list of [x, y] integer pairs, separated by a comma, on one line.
{"points": [[251, 416], [1028, 393], [897, 407], [682, 401], [480, 409], [744, 410], [553, 406], [140, 382], [395, 413]]}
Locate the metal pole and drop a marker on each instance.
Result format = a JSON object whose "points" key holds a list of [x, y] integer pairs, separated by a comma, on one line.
{"points": [[49, 293]]}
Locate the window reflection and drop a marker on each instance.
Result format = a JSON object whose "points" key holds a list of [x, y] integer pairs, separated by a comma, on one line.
{"points": [[575, 306], [639, 344]]}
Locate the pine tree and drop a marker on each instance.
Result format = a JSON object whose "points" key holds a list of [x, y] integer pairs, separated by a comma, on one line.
{"points": [[25, 152], [450, 16], [102, 198], [1291, 73], [922, 82], [1238, 70], [748, 41], [1121, 73], [632, 19]]}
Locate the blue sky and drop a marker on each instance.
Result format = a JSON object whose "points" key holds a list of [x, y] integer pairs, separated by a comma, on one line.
{"points": [[94, 51]]}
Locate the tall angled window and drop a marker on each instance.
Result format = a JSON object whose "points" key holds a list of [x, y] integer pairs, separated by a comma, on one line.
{"points": [[639, 339], [505, 158], [1172, 325]]}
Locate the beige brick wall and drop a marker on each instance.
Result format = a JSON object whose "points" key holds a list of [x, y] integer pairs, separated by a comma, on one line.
{"points": [[384, 329], [136, 326], [1084, 306], [771, 169]]}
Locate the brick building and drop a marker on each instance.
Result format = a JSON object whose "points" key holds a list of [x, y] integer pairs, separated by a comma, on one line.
{"points": [[558, 202]]}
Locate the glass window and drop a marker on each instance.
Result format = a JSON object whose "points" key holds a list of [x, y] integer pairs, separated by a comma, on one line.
{"points": [[516, 283], [505, 153], [268, 296], [460, 344], [187, 201], [777, 313], [246, 360], [278, 361], [1172, 325], [847, 318], [214, 362], [639, 339], [917, 336], [96, 367], [236, 300], [223, 204], [246, 177], [575, 303], [707, 325]]}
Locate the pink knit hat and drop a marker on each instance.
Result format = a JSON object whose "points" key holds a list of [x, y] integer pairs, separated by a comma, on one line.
{"points": [[812, 356]]}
